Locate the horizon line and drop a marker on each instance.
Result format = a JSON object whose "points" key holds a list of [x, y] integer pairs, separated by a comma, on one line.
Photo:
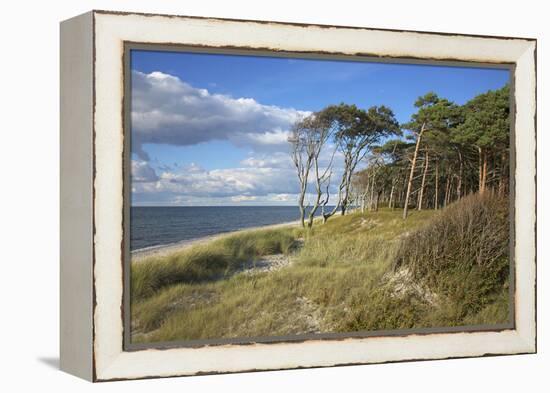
{"points": [[220, 206]]}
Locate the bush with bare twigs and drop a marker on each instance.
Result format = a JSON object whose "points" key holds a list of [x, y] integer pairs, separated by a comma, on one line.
{"points": [[463, 254]]}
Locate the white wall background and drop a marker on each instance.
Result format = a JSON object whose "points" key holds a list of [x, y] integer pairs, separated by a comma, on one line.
{"points": [[29, 183]]}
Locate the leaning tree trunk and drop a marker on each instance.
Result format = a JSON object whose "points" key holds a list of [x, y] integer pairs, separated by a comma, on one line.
{"points": [[460, 175], [371, 204], [302, 208], [318, 181], [484, 178], [302, 213], [390, 203], [411, 175], [421, 194], [480, 165], [303, 189], [502, 175], [347, 188], [482, 169], [436, 199], [447, 189]]}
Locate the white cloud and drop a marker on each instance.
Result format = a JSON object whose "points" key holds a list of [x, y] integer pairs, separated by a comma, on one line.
{"points": [[167, 110], [243, 198], [142, 172], [271, 140], [261, 179], [282, 197], [274, 160], [235, 184]]}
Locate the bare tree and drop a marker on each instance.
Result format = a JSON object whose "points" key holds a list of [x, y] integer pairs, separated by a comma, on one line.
{"points": [[302, 155], [308, 137], [320, 132]]}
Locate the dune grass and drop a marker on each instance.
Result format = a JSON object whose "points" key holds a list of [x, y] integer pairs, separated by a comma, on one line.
{"points": [[205, 262], [357, 272]]}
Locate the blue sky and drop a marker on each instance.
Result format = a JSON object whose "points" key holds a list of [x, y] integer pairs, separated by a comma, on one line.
{"points": [[211, 129]]}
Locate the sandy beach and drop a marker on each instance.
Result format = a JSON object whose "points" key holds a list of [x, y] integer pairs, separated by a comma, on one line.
{"points": [[163, 250]]}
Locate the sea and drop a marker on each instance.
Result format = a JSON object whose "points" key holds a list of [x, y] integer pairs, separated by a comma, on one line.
{"points": [[157, 226]]}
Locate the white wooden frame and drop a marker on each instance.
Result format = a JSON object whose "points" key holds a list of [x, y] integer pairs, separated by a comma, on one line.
{"points": [[92, 194]]}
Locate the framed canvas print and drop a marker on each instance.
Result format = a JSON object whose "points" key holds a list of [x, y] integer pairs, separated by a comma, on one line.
{"points": [[245, 195]]}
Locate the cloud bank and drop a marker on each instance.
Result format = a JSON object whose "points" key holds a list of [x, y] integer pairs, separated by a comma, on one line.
{"points": [[167, 110], [193, 184]]}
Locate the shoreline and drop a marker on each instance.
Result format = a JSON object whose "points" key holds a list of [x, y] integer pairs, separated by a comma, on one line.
{"points": [[167, 249]]}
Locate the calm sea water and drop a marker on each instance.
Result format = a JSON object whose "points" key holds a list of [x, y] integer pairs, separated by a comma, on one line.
{"points": [[155, 226]]}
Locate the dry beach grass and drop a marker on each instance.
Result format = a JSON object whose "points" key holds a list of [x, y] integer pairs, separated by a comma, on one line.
{"points": [[367, 271]]}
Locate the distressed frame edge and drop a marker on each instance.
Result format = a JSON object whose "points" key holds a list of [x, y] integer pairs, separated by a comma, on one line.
{"points": [[527, 340], [526, 317], [304, 24], [76, 196]]}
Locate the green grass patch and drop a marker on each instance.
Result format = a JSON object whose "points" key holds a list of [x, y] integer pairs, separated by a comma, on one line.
{"points": [[206, 262], [342, 277]]}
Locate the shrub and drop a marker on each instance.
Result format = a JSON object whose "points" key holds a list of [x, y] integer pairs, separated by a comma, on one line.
{"points": [[462, 254]]}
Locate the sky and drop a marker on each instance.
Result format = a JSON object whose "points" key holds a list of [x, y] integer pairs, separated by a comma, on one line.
{"points": [[210, 130]]}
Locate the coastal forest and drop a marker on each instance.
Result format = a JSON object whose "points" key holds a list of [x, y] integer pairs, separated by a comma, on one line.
{"points": [[412, 231], [449, 151]]}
